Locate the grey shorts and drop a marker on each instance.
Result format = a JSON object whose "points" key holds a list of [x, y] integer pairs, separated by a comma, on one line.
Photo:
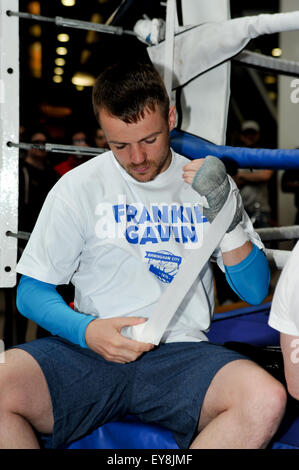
{"points": [[165, 386]]}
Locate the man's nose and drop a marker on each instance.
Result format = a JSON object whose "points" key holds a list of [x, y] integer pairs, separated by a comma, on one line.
{"points": [[137, 154]]}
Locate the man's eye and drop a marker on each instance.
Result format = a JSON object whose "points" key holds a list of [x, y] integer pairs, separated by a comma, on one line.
{"points": [[119, 147], [151, 141]]}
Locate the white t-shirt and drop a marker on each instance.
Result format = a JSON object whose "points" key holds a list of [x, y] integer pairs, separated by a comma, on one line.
{"points": [[121, 242], [284, 312]]}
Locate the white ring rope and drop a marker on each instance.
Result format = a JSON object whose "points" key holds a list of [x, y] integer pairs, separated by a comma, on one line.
{"points": [[279, 233], [59, 148], [70, 23], [277, 258], [255, 59]]}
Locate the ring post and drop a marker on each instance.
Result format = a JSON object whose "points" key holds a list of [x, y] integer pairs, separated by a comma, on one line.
{"points": [[9, 131]]}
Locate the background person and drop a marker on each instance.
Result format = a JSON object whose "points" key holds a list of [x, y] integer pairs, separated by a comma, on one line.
{"points": [[36, 179], [253, 184], [290, 184], [78, 138]]}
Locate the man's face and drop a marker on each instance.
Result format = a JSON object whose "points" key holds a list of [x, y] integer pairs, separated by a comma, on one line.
{"points": [[38, 138], [79, 139], [141, 148], [250, 138]]}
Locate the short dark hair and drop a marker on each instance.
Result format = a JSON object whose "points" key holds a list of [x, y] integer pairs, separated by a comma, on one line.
{"points": [[127, 90], [36, 129]]}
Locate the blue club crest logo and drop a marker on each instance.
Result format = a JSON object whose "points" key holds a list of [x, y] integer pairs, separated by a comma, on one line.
{"points": [[163, 264]]}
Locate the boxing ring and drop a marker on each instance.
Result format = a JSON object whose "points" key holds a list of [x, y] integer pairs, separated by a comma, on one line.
{"points": [[201, 133]]}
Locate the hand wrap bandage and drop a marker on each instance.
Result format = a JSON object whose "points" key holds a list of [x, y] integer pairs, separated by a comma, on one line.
{"points": [[152, 331], [150, 31], [212, 182]]}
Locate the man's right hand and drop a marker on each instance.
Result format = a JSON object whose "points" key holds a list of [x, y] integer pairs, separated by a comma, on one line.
{"points": [[209, 178], [104, 337]]}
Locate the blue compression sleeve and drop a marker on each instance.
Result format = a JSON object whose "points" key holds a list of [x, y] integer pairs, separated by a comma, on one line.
{"points": [[250, 279], [40, 302]]}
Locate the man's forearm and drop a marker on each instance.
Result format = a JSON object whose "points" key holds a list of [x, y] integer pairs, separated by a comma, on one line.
{"points": [[237, 255], [247, 272], [261, 176], [40, 302]]}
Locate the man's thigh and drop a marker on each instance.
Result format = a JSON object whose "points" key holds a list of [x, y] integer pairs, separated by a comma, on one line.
{"points": [[24, 390], [171, 382], [242, 384], [86, 390]]}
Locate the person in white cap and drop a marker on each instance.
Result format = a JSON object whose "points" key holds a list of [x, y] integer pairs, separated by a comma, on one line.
{"points": [[253, 184]]}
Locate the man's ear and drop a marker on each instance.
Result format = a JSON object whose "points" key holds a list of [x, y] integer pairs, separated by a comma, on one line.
{"points": [[172, 117]]}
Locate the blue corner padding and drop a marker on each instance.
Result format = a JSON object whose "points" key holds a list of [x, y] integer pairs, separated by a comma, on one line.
{"points": [[193, 147]]}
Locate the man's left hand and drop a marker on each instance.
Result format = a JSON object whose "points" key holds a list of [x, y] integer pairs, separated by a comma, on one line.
{"points": [[190, 169], [209, 178]]}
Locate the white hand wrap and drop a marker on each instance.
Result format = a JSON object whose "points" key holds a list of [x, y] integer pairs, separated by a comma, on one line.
{"points": [[211, 181], [234, 239]]}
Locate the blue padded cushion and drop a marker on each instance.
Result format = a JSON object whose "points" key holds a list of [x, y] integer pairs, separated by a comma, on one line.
{"points": [[129, 433], [247, 325]]}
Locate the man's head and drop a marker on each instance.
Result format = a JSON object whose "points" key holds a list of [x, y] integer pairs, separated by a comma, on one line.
{"points": [[79, 138], [37, 135], [250, 133], [132, 107]]}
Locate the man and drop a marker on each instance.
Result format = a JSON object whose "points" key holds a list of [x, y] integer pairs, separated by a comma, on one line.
{"points": [[284, 318], [290, 184], [36, 178], [253, 185], [78, 138], [119, 227]]}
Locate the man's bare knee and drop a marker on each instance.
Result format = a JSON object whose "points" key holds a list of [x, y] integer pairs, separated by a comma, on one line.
{"points": [[24, 390], [258, 399], [267, 408]]}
